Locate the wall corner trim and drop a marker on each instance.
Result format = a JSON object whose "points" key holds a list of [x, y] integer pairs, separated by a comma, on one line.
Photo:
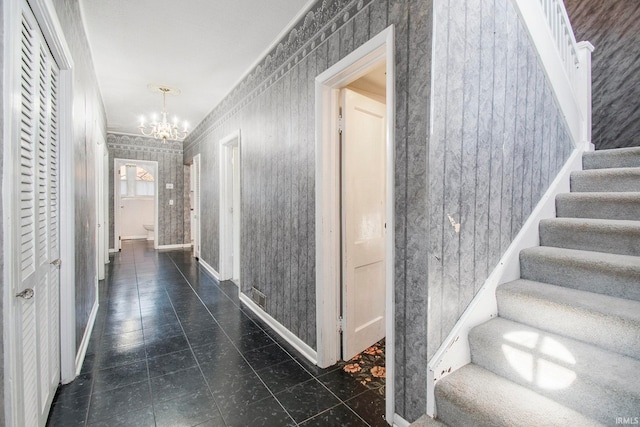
{"points": [[398, 421], [85, 342], [209, 269], [285, 333]]}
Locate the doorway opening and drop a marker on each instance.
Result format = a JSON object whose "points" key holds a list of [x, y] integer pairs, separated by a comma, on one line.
{"points": [[355, 102], [194, 201], [136, 201], [230, 207]]}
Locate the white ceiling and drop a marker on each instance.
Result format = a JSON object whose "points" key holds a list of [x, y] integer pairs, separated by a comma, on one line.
{"points": [[201, 47]]}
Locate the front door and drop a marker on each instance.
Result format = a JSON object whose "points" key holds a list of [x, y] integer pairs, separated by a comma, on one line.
{"points": [[36, 234], [363, 221]]}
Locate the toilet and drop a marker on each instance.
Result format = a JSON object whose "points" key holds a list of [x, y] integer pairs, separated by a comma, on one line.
{"points": [[149, 228]]}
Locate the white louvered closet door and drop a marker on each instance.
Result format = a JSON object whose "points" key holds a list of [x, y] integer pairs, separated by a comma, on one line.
{"points": [[37, 293]]}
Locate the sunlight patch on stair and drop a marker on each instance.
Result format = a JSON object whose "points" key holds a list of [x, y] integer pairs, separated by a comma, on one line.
{"points": [[539, 360]]}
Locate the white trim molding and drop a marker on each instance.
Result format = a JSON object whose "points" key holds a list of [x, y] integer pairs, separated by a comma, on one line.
{"points": [[226, 268], [209, 269], [328, 216], [176, 246], [281, 330], [84, 344], [454, 352]]}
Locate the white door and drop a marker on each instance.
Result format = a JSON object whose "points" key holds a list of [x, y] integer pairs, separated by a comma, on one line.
{"points": [[363, 222], [235, 190], [100, 217], [195, 170], [36, 236]]}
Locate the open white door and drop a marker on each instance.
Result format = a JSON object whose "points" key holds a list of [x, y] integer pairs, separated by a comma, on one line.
{"points": [[35, 232], [363, 221], [195, 173]]}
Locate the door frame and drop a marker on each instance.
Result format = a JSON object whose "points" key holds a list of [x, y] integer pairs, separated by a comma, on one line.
{"points": [[52, 30], [100, 206], [226, 185], [197, 191], [328, 193], [150, 165]]}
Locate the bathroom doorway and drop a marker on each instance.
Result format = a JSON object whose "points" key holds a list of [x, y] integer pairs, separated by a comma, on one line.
{"points": [[136, 201]]}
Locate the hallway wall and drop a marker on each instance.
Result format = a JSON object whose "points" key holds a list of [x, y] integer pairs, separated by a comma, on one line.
{"points": [[274, 109], [498, 141], [613, 27], [171, 219], [88, 121]]}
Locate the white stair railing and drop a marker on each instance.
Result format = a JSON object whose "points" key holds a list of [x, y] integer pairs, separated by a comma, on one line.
{"points": [[566, 62]]}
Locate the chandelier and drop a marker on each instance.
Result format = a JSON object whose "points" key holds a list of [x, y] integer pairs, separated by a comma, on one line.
{"points": [[163, 129]]}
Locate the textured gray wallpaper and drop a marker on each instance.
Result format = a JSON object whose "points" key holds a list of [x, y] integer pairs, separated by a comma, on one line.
{"points": [[2, 413], [274, 108], [171, 219], [613, 27], [88, 114], [498, 141]]}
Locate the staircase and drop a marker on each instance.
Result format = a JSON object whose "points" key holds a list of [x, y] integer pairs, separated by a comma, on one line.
{"points": [[565, 347]]}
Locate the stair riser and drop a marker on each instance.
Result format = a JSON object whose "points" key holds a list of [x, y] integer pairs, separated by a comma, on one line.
{"points": [[614, 240], [601, 209], [602, 278], [610, 333], [589, 183], [560, 381], [624, 158]]}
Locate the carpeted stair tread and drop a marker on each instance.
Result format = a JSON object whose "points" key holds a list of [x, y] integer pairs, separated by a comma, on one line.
{"points": [[615, 158], [615, 180], [609, 322], [473, 396], [557, 367], [599, 272], [600, 235], [599, 205]]}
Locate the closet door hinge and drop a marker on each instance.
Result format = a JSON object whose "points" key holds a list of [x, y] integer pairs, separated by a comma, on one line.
{"points": [[340, 121], [340, 322]]}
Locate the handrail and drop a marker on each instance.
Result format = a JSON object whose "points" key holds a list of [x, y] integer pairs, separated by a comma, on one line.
{"points": [[560, 26], [566, 63]]}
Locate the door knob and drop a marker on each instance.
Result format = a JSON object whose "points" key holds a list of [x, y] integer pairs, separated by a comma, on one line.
{"points": [[56, 262], [26, 294]]}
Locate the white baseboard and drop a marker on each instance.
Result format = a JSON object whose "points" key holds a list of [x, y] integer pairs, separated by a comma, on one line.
{"points": [[84, 344], [454, 352], [209, 269], [398, 421], [135, 237], [178, 246], [285, 333]]}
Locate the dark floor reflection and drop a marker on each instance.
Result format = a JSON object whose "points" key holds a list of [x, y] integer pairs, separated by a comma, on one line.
{"points": [[173, 347]]}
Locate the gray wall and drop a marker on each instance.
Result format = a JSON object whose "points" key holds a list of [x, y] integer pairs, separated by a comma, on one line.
{"points": [[171, 219], [498, 141], [88, 118], [274, 108], [613, 27]]}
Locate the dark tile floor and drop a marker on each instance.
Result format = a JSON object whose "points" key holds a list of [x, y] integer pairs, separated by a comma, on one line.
{"points": [[173, 347]]}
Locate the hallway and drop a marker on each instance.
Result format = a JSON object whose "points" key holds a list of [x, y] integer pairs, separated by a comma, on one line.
{"points": [[172, 347]]}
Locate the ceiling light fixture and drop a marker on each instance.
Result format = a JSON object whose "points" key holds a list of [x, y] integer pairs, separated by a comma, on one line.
{"points": [[163, 129]]}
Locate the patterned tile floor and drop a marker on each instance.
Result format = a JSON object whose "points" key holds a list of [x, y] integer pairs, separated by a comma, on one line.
{"points": [[173, 347]]}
